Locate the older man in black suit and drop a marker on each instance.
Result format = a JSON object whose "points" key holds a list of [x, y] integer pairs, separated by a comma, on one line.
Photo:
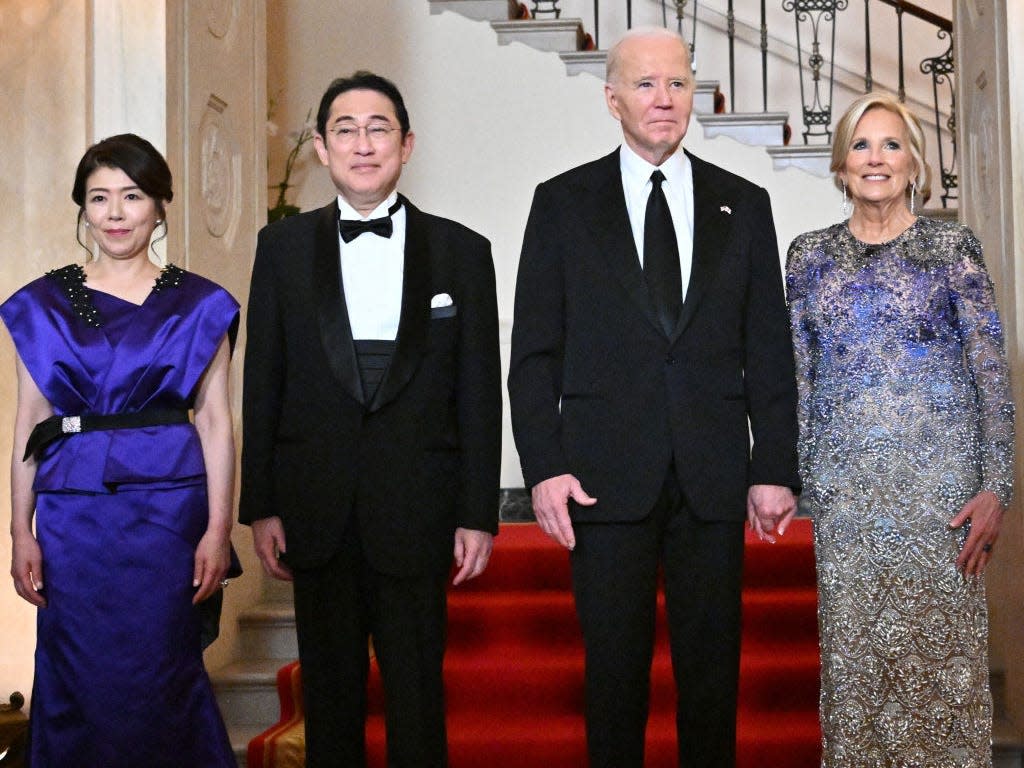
{"points": [[372, 429], [650, 327]]}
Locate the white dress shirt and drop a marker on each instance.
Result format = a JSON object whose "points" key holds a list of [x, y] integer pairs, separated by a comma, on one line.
{"points": [[678, 188], [372, 268]]}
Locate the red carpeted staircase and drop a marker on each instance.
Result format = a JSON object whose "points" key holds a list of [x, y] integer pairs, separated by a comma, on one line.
{"points": [[514, 668]]}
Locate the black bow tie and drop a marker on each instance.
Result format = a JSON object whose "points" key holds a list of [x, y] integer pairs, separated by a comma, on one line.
{"points": [[352, 228]]}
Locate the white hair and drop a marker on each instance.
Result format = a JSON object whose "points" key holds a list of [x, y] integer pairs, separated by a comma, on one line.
{"points": [[614, 56]]}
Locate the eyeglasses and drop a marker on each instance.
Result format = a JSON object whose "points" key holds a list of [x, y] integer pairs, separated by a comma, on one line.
{"points": [[376, 133]]}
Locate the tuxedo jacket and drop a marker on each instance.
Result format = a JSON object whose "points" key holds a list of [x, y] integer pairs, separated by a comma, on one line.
{"points": [[418, 459], [597, 388]]}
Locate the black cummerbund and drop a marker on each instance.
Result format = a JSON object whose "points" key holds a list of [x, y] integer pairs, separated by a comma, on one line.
{"points": [[374, 357]]}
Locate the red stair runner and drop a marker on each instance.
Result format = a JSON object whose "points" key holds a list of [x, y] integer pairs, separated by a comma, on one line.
{"points": [[514, 666]]}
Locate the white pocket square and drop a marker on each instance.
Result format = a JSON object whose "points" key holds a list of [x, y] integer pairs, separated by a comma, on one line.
{"points": [[440, 300], [726, 209]]}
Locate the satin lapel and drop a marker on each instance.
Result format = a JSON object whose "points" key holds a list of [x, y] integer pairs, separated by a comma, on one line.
{"points": [[415, 318], [609, 220], [332, 312], [711, 227]]}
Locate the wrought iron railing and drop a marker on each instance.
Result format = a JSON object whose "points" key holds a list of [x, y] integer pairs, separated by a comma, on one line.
{"points": [[816, 23], [814, 15], [940, 69]]}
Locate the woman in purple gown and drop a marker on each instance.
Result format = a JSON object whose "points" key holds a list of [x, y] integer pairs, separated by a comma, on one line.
{"points": [[131, 497]]}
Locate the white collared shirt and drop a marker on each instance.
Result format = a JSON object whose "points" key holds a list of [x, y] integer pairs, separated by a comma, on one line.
{"points": [[678, 187], [372, 268]]}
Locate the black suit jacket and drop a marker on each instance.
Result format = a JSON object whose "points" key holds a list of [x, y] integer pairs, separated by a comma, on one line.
{"points": [[418, 460], [596, 387]]}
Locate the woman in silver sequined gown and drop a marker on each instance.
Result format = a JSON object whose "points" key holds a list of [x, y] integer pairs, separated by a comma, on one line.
{"points": [[906, 452]]}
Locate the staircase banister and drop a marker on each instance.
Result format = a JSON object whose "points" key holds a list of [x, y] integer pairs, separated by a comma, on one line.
{"points": [[920, 13]]}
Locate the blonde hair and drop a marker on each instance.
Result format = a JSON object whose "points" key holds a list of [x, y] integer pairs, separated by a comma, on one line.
{"points": [[848, 124]]}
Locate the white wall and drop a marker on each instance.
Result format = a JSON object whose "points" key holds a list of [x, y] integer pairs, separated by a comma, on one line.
{"points": [[491, 122]]}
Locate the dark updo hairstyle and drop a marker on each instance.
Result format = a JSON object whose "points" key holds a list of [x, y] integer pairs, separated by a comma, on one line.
{"points": [[139, 160]]}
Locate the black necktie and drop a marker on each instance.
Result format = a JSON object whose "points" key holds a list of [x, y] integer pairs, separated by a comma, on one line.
{"points": [[661, 257], [352, 228]]}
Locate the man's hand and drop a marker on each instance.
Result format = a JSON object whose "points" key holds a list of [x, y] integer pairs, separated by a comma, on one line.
{"points": [[986, 516], [472, 552], [551, 506], [268, 540], [770, 508]]}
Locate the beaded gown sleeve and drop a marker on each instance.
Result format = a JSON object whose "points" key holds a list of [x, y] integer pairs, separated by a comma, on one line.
{"points": [[981, 334]]}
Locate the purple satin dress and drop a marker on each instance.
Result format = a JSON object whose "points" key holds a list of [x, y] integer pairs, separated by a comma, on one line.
{"points": [[119, 676]]}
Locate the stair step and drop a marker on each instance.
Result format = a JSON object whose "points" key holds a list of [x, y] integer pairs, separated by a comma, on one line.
{"points": [[813, 158], [780, 616], [478, 10], [240, 736], [483, 620], [780, 682], [584, 62], [544, 565], [551, 35], [787, 563], [549, 619], [755, 128], [247, 692], [560, 742], [276, 590], [267, 631], [553, 683]]}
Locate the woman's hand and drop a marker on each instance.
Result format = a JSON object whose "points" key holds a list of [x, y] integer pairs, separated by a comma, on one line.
{"points": [[213, 555], [213, 423], [986, 516], [27, 568]]}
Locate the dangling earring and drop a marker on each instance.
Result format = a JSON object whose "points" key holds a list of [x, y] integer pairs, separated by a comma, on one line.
{"points": [[913, 191], [847, 208]]}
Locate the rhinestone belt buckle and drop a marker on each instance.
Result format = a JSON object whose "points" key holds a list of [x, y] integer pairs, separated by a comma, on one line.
{"points": [[71, 424]]}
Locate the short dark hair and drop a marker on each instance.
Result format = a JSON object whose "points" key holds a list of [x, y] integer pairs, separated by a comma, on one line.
{"points": [[362, 81], [140, 161]]}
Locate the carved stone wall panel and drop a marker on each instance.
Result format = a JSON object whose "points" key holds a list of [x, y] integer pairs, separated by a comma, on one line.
{"points": [[220, 16], [219, 172]]}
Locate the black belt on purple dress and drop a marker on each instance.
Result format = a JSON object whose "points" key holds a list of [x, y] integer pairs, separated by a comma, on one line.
{"points": [[57, 427]]}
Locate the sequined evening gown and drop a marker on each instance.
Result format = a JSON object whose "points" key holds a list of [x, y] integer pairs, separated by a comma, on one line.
{"points": [[905, 414]]}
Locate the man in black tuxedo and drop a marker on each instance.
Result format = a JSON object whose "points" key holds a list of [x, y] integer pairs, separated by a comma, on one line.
{"points": [[372, 429], [649, 326]]}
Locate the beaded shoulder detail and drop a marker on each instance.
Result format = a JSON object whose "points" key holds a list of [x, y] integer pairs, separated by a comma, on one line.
{"points": [[72, 281], [170, 277]]}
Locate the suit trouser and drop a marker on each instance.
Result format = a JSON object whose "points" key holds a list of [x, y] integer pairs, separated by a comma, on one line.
{"points": [[337, 608], [615, 577]]}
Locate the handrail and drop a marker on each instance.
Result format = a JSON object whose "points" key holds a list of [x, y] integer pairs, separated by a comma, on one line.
{"points": [[921, 13]]}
